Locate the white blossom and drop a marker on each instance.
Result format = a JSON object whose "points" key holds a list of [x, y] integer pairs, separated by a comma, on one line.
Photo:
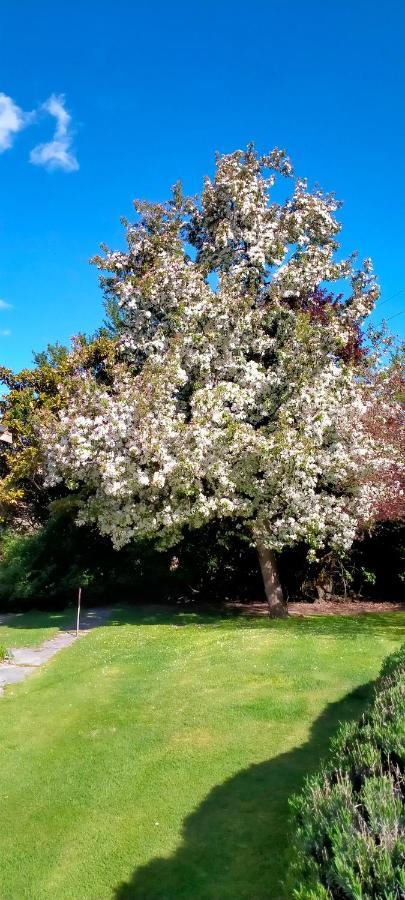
{"points": [[234, 397]]}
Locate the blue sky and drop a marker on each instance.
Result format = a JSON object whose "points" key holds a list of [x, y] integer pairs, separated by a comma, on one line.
{"points": [[153, 90]]}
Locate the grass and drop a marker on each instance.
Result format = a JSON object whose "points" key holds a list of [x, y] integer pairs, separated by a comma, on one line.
{"points": [[32, 628], [154, 758]]}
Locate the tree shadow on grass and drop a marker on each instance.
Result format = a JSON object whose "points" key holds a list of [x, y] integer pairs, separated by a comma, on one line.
{"points": [[34, 619], [235, 845], [379, 623]]}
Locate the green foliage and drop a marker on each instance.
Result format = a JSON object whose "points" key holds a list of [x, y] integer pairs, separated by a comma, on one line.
{"points": [[377, 562], [32, 395], [44, 568], [395, 663], [373, 569], [3, 653], [350, 818]]}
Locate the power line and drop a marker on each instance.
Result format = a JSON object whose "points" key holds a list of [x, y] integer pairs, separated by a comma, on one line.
{"points": [[392, 297], [400, 313]]}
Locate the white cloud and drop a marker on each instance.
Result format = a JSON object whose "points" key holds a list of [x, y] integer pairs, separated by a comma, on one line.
{"points": [[4, 304], [54, 154], [57, 154], [12, 120]]}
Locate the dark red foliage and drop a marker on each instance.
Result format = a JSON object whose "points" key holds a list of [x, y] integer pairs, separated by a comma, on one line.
{"points": [[319, 305], [385, 423], [354, 351]]}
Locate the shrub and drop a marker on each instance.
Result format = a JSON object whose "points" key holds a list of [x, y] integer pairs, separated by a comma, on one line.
{"points": [[43, 568], [375, 565], [350, 818]]}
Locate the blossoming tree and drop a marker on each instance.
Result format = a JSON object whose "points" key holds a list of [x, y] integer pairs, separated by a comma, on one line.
{"points": [[239, 391]]}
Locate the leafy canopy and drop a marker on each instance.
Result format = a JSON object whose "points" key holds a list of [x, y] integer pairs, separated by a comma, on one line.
{"points": [[238, 390]]}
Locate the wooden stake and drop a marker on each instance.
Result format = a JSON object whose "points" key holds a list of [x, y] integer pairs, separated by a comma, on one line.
{"points": [[79, 600]]}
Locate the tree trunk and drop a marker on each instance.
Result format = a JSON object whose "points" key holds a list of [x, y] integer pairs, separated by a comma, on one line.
{"points": [[324, 587], [272, 585]]}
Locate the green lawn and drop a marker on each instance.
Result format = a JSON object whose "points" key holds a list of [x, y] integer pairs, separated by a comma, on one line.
{"points": [[30, 629], [154, 758]]}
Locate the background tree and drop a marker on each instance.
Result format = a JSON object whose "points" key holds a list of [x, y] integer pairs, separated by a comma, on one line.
{"points": [[385, 423], [24, 499], [241, 391]]}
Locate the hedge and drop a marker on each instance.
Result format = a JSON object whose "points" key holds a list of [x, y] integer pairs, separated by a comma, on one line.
{"points": [[350, 818]]}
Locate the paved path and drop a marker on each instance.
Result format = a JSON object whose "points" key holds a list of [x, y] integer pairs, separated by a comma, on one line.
{"points": [[26, 659]]}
